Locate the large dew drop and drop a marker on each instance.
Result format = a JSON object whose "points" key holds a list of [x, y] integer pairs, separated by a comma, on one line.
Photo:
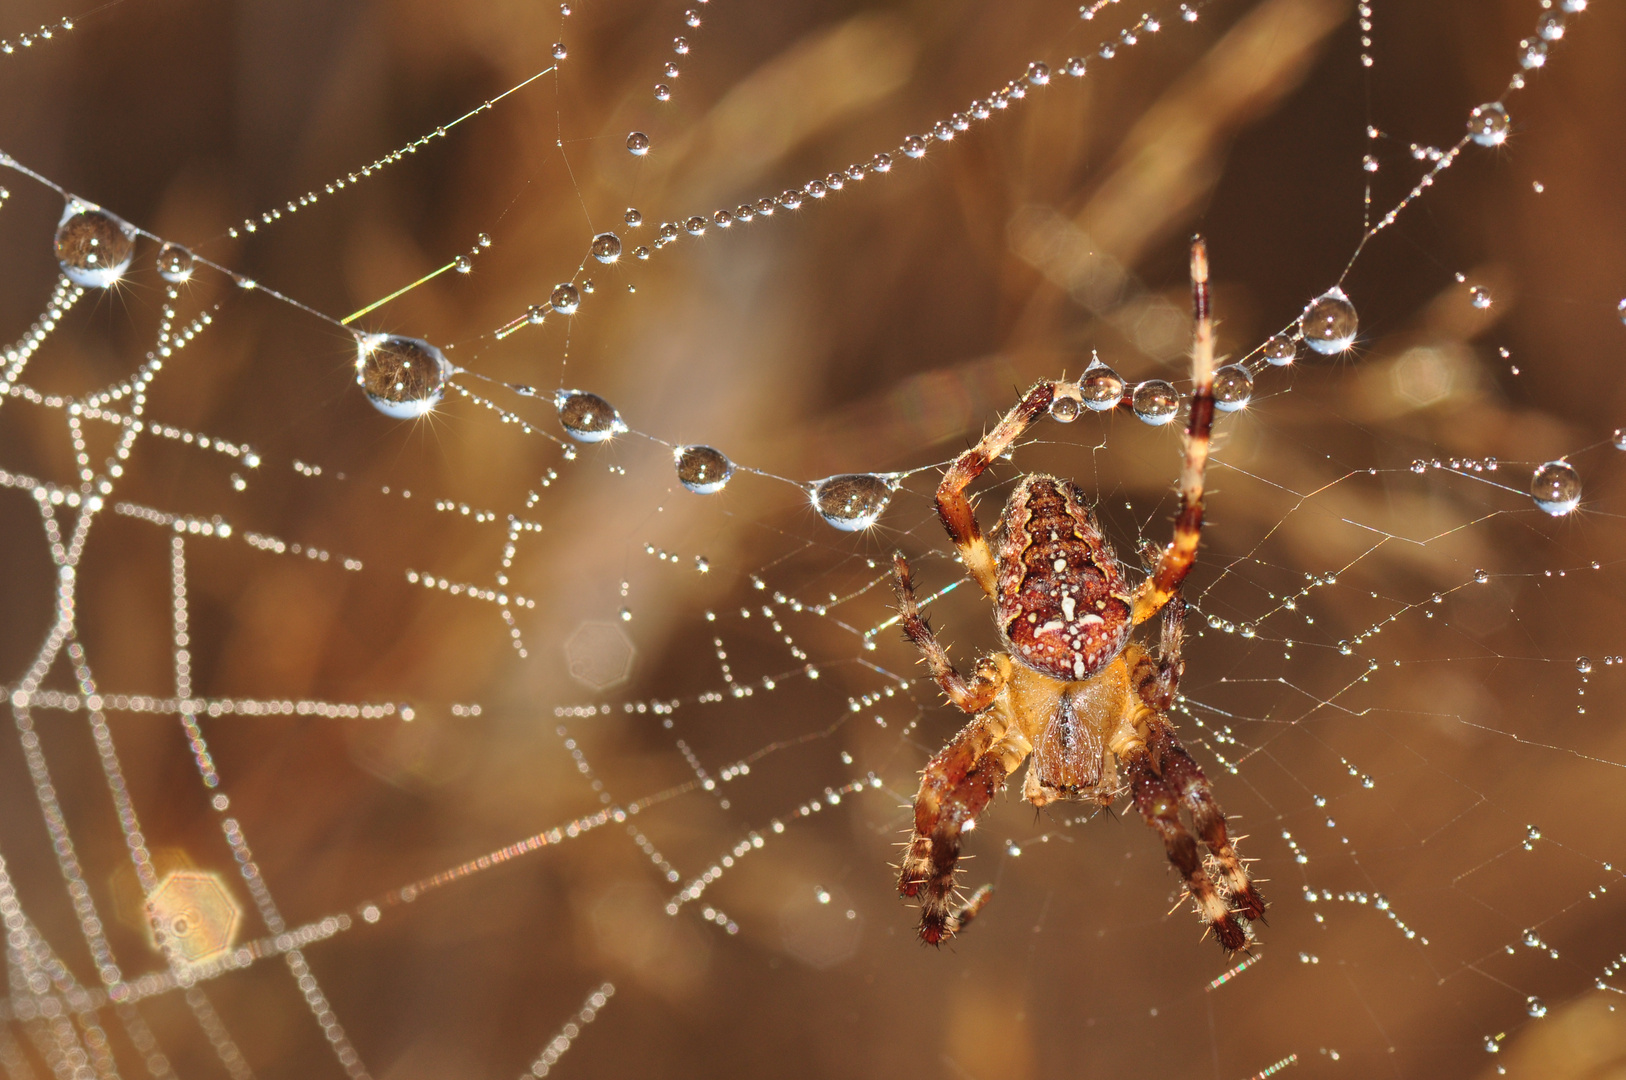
{"points": [[1487, 124], [93, 247], [1101, 387], [702, 469], [1233, 388], [565, 299], [852, 501], [606, 247], [1556, 487], [1329, 323], [403, 377], [588, 417], [174, 263], [637, 144], [1156, 402]]}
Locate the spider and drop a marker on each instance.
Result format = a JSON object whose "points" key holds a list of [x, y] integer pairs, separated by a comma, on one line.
{"points": [[1071, 689]]}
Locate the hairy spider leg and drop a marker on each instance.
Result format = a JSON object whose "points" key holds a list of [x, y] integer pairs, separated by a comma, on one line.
{"points": [[1186, 778], [969, 697], [959, 519], [1156, 687], [1171, 569], [958, 782], [1160, 806]]}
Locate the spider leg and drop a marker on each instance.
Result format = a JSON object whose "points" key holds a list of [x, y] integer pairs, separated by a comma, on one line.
{"points": [[1164, 580], [957, 784], [959, 520], [1160, 806], [969, 697], [1184, 776]]}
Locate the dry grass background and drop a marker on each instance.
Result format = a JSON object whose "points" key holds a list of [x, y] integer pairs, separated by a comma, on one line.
{"points": [[878, 330]]}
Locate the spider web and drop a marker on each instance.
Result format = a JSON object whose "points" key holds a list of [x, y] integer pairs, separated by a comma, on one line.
{"points": [[441, 746]]}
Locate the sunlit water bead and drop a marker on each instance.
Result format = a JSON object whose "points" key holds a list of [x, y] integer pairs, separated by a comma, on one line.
{"points": [[1556, 488], [1619, 438], [1065, 409], [634, 217], [93, 247], [1156, 402], [175, 263], [1280, 351], [663, 92], [1488, 124], [914, 146], [851, 501], [587, 417], [403, 377], [1101, 387], [1038, 74], [565, 299], [1233, 388], [702, 469], [1328, 325], [637, 144], [606, 247]]}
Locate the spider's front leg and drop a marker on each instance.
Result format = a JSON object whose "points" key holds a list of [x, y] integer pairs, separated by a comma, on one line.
{"points": [[959, 781], [959, 519]]}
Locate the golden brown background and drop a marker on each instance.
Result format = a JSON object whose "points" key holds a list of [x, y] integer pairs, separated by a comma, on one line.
{"points": [[877, 330]]}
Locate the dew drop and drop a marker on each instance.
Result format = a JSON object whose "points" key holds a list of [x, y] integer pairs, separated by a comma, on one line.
{"points": [[1280, 350], [1533, 54], [637, 144], [1556, 487], [695, 226], [663, 92], [634, 217], [93, 247], [464, 264], [1328, 324], [691, 17], [640, 252], [1038, 74], [702, 469], [1535, 1007], [1233, 388], [1101, 387], [881, 163], [587, 417], [1583, 664], [403, 377], [914, 146], [1156, 401], [1619, 438], [175, 263], [559, 51], [1482, 577], [851, 501], [1479, 296], [1076, 67], [791, 199], [1488, 124], [817, 189], [606, 247], [680, 46], [565, 299], [722, 219], [1064, 410]]}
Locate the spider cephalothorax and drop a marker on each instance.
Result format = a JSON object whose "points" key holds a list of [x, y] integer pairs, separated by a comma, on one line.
{"points": [[1072, 692]]}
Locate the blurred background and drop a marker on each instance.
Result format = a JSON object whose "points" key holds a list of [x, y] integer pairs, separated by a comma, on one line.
{"points": [[1421, 751]]}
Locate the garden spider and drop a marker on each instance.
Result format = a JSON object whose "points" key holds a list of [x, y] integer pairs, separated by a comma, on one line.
{"points": [[1071, 689]]}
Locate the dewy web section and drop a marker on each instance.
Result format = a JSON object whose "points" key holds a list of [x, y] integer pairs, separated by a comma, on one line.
{"points": [[537, 473]]}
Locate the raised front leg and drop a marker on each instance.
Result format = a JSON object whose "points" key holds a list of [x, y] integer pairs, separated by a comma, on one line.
{"points": [[959, 520]]}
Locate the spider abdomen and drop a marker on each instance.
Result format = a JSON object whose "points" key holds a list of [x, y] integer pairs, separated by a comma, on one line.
{"points": [[1061, 603]]}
